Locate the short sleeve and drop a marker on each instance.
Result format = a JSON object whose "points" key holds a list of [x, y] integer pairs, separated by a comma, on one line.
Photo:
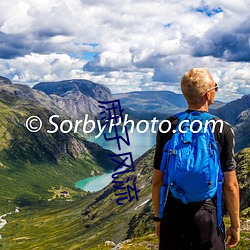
{"points": [[228, 162], [162, 138], [226, 141]]}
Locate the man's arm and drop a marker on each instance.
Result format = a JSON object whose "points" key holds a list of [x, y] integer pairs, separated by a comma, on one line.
{"points": [[231, 195], [156, 187]]}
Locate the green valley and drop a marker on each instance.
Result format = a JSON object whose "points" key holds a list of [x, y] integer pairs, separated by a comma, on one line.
{"points": [[32, 163]]}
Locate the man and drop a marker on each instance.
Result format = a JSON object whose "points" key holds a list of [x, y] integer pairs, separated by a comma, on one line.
{"points": [[194, 225]]}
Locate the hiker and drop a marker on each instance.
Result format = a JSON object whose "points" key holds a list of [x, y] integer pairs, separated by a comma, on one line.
{"points": [[188, 222]]}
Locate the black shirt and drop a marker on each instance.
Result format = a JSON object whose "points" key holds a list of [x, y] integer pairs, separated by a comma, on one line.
{"points": [[225, 141]]}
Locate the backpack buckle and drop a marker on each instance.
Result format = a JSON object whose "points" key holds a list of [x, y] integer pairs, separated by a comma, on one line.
{"points": [[172, 152]]}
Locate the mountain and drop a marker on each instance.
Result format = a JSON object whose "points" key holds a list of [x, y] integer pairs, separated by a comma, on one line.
{"points": [[135, 218], [216, 105], [237, 113], [149, 104], [4, 80], [80, 97], [31, 164], [76, 97], [232, 110], [242, 130]]}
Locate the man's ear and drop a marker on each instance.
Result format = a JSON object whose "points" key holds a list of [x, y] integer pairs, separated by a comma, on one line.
{"points": [[207, 95]]}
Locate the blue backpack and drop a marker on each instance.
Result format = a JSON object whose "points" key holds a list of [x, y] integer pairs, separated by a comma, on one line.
{"points": [[191, 162]]}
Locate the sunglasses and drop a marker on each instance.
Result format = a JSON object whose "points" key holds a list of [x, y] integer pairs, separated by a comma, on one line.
{"points": [[216, 87]]}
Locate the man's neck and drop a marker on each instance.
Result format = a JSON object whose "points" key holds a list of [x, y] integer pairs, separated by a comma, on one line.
{"points": [[198, 107]]}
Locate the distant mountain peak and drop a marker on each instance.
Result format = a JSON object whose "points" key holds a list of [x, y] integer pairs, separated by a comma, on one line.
{"points": [[4, 80], [62, 88], [76, 97]]}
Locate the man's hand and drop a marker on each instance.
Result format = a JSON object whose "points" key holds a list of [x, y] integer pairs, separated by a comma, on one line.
{"points": [[157, 228], [232, 236]]}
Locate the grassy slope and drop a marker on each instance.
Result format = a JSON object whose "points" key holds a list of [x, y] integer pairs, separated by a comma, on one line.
{"points": [[88, 222], [48, 226], [79, 224], [32, 163]]}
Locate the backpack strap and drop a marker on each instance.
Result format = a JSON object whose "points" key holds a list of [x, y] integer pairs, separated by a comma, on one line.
{"points": [[208, 116], [164, 163], [183, 115], [218, 200]]}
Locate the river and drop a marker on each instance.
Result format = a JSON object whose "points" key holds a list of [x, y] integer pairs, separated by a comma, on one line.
{"points": [[139, 144]]}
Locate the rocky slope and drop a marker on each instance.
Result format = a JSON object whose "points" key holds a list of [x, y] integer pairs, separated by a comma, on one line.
{"points": [[76, 97], [4, 80], [237, 114], [242, 130], [232, 110]]}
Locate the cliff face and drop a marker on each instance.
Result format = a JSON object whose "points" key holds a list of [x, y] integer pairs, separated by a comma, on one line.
{"points": [[76, 97]]}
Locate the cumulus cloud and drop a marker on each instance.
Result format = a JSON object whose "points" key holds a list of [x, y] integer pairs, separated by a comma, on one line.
{"points": [[140, 45], [34, 68], [231, 45]]}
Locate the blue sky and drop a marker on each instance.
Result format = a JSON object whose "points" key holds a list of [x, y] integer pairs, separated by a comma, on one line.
{"points": [[126, 45]]}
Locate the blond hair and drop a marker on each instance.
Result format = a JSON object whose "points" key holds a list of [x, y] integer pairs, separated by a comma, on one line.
{"points": [[195, 83]]}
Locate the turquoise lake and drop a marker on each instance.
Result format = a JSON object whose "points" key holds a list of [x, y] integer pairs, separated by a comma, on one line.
{"points": [[139, 144]]}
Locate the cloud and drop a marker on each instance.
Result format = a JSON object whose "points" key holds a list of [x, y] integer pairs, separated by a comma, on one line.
{"points": [[140, 45], [231, 45], [34, 68]]}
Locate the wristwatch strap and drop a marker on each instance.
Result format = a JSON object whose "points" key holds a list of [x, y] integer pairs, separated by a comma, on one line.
{"points": [[157, 219]]}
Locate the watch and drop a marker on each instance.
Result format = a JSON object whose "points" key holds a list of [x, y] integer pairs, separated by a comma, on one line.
{"points": [[157, 219]]}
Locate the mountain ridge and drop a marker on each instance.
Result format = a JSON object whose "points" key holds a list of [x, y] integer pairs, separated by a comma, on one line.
{"points": [[4, 80], [230, 111], [76, 97]]}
